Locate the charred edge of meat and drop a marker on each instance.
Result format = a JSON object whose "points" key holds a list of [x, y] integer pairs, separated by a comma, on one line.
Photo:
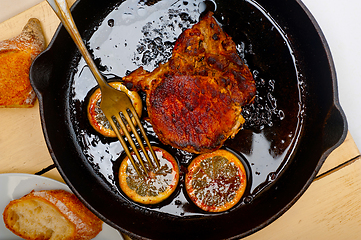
{"points": [[194, 101]]}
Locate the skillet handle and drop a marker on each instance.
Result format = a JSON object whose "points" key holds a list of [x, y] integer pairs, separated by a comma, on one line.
{"points": [[335, 129], [40, 73]]}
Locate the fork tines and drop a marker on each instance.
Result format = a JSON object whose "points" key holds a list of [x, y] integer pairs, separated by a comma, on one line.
{"points": [[124, 119]]}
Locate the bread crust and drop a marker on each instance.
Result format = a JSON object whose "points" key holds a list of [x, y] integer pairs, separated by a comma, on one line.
{"points": [[16, 57], [84, 224]]}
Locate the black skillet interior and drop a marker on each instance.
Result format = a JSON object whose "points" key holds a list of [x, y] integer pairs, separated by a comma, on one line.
{"points": [[294, 124]]}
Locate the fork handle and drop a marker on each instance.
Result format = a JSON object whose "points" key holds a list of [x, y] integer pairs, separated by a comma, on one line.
{"points": [[62, 10]]}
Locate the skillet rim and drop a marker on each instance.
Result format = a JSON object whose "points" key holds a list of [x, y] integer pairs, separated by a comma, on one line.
{"points": [[326, 152]]}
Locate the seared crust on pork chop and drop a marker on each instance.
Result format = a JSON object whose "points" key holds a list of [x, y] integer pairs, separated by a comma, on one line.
{"points": [[194, 100]]}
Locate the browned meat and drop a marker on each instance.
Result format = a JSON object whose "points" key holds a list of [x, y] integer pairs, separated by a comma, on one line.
{"points": [[194, 100]]}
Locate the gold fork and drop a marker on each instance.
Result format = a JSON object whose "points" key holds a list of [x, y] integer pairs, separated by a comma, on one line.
{"points": [[114, 103]]}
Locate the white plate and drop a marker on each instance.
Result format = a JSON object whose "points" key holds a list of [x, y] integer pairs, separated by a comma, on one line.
{"points": [[16, 185]]}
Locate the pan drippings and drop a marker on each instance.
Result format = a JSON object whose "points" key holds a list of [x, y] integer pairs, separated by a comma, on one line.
{"points": [[143, 34]]}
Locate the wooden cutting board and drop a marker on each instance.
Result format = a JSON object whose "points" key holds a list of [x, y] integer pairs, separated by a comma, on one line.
{"points": [[330, 208]]}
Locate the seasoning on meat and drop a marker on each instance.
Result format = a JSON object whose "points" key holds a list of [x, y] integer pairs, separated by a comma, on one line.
{"points": [[194, 101]]}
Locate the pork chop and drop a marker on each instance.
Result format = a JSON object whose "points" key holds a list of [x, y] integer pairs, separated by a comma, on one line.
{"points": [[194, 100]]}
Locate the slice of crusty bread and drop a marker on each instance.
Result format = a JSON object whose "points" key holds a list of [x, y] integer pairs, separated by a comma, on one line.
{"points": [[51, 214], [16, 57]]}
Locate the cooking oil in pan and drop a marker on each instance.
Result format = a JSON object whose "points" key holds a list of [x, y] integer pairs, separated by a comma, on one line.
{"points": [[143, 34]]}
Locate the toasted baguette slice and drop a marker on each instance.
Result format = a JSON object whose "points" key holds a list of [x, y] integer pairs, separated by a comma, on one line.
{"points": [[16, 56], [51, 214]]}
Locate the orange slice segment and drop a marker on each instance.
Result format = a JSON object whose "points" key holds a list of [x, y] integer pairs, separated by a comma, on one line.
{"points": [[157, 186], [216, 181], [97, 118]]}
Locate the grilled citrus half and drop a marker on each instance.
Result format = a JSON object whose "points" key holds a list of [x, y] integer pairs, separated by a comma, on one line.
{"points": [[216, 181], [96, 116], [156, 186]]}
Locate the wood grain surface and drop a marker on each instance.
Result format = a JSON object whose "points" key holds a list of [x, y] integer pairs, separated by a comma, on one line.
{"points": [[329, 209]]}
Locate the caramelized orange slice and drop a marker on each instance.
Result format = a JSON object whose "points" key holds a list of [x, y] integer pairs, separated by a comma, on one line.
{"points": [[216, 181], [97, 118], [157, 186]]}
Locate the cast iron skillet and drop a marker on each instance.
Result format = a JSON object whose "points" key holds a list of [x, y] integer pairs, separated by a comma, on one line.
{"points": [[281, 42]]}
